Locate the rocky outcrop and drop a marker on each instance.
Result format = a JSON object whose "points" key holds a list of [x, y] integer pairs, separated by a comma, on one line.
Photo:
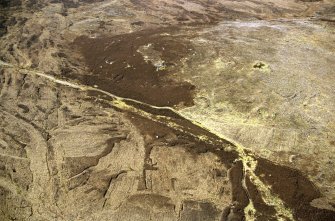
{"points": [[66, 156], [166, 110]]}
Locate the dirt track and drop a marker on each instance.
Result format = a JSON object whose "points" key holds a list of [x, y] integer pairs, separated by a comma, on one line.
{"points": [[167, 110]]}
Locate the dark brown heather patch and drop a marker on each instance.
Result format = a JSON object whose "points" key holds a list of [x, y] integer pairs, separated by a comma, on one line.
{"points": [[117, 67], [294, 189], [154, 132], [288, 184]]}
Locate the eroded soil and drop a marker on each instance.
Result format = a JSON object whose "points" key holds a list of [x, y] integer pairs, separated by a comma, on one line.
{"points": [[167, 110]]}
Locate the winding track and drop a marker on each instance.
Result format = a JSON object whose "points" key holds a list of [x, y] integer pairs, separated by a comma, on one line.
{"points": [[249, 160]]}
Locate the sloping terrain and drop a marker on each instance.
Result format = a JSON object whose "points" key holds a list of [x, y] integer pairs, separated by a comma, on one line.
{"points": [[167, 110]]}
